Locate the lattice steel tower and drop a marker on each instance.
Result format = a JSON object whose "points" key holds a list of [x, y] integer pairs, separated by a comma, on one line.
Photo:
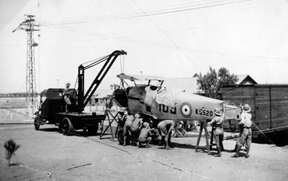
{"points": [[29, 26]]}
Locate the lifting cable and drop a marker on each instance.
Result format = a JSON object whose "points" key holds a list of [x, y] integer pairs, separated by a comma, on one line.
{"points": [[90, 64], [269, 139], [122, 63]]}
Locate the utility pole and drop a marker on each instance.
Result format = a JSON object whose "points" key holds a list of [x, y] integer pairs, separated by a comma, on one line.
{"points": [[29, 26]]}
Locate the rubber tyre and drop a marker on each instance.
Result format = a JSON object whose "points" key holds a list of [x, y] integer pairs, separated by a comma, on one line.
{"points": [[36, 124], [66, 126]]}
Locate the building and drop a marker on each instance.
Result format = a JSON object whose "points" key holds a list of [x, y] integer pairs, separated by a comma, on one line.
{"points": [[269, 104], [245, 80]]}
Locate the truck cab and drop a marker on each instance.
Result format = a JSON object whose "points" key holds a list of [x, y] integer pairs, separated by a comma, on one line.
{"points": [[52, 102]]}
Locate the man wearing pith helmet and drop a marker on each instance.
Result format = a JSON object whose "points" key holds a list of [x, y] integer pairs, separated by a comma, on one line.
{"points": [[246, 136], [66, 95], [67, 85], [217, 127]]}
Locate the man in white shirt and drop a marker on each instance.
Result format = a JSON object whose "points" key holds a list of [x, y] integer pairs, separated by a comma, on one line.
{"points": [[246, 137]]}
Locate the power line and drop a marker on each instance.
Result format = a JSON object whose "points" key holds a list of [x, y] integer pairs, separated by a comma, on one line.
{"points": [[173, 10], [176, 11], [167, 46], [177, 47]]}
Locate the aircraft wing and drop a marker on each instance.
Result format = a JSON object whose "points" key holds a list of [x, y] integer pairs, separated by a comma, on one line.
{"points": [[140, 77]]}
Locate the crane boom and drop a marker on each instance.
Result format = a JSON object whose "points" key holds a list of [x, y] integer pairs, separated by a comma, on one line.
{"points": [[108, 62]]}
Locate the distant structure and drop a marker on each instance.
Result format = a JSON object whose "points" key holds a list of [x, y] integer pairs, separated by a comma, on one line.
{"points": [[29, 26], [245, 80]]}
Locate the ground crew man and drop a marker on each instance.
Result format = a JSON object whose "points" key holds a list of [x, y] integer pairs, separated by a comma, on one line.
{"points": [[246, 137], [66, 95], [127, 126], [165, 128], [145, 136], [122, 118], [135, 128], [217, 129]]}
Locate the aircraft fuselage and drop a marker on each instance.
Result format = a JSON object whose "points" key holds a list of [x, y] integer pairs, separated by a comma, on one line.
{"points": [[175, 105]]}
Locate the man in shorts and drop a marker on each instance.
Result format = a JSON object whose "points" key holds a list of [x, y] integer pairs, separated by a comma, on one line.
{"points": [[145, 136], [127, 127], [135, 128], [165, 128]]}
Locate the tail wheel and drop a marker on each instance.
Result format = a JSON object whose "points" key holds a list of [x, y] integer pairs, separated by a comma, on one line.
{"points": [[36, 124], [66, 126]]}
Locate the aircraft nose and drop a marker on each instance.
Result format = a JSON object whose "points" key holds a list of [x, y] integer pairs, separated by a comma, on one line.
{"points": [[120, 97]]}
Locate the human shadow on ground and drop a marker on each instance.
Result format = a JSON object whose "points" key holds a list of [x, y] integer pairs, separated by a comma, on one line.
{"points": [[183, 145], [79, 133], [50, 130]]}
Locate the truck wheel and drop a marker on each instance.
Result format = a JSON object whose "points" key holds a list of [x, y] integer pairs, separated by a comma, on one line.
{"points": [[36, 124], [93, 129], [66, 126]]}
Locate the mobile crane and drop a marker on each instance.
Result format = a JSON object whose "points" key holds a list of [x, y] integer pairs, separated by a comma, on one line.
{"points": [[52, 104]]}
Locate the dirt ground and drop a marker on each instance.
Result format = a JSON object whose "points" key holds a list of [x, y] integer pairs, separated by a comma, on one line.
{"points": [[48, 155]]}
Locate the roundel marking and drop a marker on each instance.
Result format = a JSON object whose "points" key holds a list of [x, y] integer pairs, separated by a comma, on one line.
{"points": [[186, 110]]}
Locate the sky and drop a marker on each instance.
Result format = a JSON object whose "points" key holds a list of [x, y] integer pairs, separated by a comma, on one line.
{"points": [[167, 38]]}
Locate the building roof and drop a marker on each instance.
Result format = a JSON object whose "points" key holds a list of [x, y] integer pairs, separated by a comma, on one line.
{"points": [[189, 84], [245, 80]]}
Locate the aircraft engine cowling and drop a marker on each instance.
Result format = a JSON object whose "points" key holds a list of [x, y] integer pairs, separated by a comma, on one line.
{"points": [[136, 97], [120, 97]]}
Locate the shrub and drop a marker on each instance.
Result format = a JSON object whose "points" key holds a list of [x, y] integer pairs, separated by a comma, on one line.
{"points": [[11, 147]]}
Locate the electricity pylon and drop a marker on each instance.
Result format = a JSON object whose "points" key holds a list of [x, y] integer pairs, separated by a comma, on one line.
{"points": [[29, 26]]}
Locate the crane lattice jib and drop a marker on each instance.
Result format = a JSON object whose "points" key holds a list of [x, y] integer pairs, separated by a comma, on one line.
{"points": [[108, 62]]}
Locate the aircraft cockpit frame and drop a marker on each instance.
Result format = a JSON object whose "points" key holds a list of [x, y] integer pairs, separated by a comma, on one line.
{"points": [[141, 80]]}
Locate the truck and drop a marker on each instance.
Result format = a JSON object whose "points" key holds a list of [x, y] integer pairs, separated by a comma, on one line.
{"points": [[52, 104]]}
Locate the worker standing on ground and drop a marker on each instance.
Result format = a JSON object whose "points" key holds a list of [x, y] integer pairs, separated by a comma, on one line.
{"points": [[217, 129], [66, 95], [246, 137], [165, 128], [122, 118], [127, 127], [240, 131], [135, 128]]}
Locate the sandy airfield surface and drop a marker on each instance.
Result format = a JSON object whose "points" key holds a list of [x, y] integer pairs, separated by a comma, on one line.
{"points": [[48, 155]]}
